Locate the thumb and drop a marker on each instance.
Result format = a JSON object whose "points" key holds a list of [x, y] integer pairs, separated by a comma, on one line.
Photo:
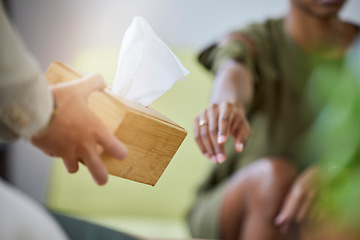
{"points": [[89, 83]]}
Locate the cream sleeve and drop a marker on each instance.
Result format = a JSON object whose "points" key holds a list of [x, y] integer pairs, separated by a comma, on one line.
{"points": [[25, 100]]}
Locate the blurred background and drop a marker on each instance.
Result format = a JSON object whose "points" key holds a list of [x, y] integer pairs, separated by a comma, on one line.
{"points": [[87, 35]]}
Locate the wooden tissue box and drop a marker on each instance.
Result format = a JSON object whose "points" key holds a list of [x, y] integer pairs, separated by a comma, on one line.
{"points": [[151, 138]]}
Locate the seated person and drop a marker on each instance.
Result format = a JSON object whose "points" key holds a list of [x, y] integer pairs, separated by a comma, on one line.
{"points": [[260, 187]]}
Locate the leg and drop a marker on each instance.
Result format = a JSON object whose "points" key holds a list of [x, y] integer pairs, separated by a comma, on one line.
{"points": [[253, 199]]}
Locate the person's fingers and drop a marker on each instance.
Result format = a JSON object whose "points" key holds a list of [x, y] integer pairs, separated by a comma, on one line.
{"points": [[212, 116], [224, 124], [289, 210], [205, 136], [71, 165], [235, 131], [205, 139], [111, 144], [241, 135], [95, 165], [235, 124], [197, 136], [89, 83], [304, 210], [220, 153]]}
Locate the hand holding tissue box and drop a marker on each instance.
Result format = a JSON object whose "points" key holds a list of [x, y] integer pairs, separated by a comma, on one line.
{"points": [[147, 68]]}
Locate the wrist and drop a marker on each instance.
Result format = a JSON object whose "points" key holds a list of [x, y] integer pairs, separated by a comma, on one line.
{"points": [[45, 128], [241, 106]]}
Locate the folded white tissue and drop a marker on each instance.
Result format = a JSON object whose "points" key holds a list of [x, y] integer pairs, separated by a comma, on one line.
{"points": [[147, 68]]}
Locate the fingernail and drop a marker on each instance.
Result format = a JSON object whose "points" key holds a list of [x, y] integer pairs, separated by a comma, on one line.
{"points": [[101, 182], [221, 139], [278, 220], [214, 160], [207, 155], [221, 158], [239, 147]]}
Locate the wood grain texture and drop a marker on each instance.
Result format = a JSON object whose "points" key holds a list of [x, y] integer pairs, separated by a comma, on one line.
{"points": [[151, 138]]}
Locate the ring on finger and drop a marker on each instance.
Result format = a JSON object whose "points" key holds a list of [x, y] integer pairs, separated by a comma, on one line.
{"points": [[203, 122]]}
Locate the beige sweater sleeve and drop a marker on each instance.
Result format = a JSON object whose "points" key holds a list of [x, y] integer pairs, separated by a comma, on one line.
{"points": [[25, 101]]}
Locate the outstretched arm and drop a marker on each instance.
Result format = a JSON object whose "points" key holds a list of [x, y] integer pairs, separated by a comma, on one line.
{"points": [[231, 95]]}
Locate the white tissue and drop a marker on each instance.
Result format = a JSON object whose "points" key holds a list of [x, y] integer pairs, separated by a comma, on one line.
{"points": [[147, 68]]}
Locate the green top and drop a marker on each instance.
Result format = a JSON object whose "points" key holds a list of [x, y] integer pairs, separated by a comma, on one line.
{"points": [[279, 115]]}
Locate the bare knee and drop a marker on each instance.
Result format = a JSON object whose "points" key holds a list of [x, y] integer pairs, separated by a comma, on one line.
{"points": [[256, 190], [264, 184], [271, 174], [270, 184]]}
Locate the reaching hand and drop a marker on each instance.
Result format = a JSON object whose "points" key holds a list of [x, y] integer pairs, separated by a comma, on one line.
{"points": [[299, 200], [214, 125], [75, 133]]}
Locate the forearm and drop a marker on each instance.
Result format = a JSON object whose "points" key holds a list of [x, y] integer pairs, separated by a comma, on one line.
{"points": [[25, 101], [233, 84], [231, 95]]}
